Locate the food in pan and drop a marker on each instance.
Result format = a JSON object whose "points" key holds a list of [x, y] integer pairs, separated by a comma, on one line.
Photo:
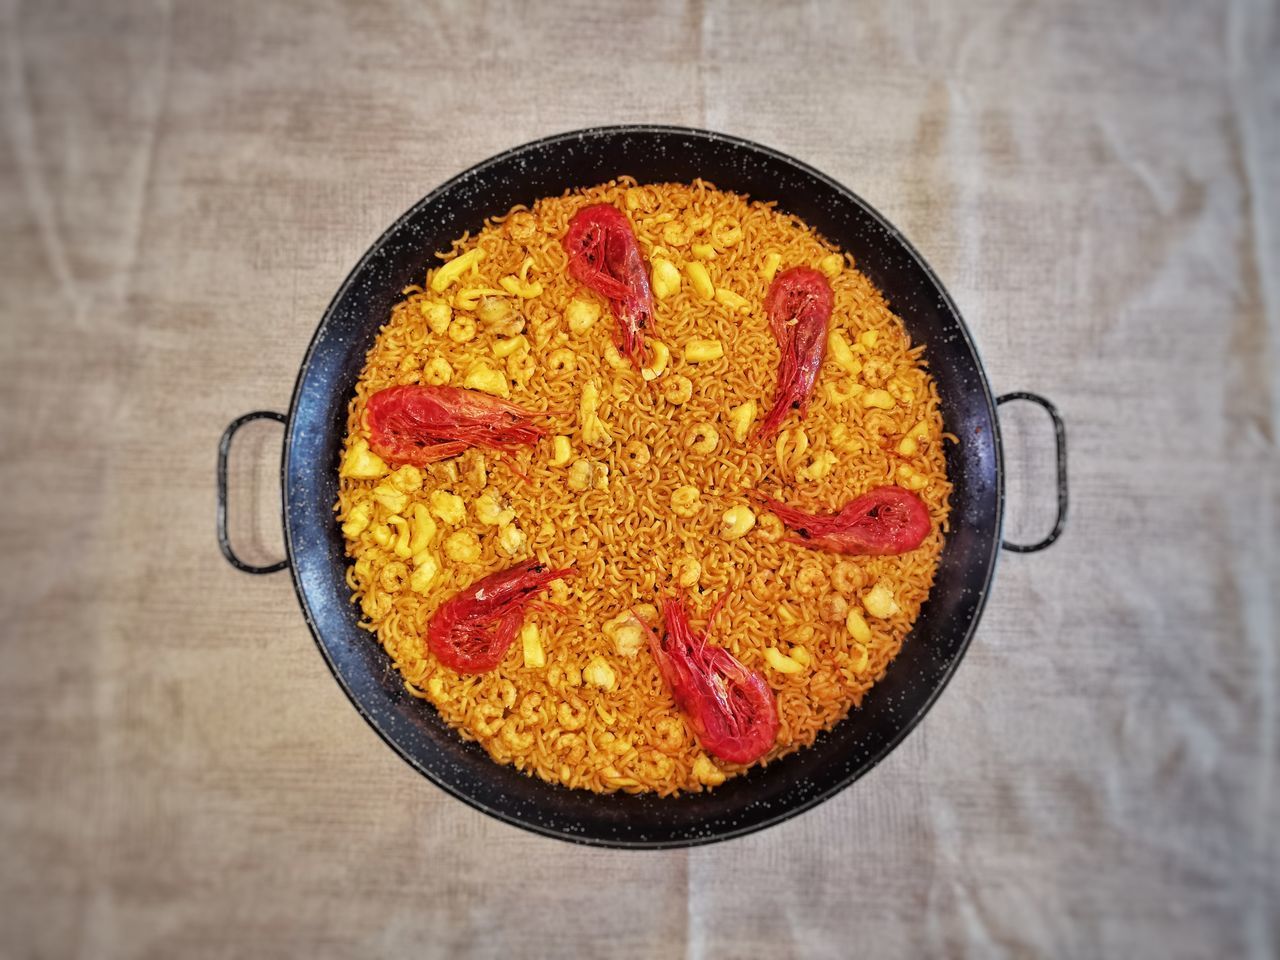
{"points": [[643, 485]]}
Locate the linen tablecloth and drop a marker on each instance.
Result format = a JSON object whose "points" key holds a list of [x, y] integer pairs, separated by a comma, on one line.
{"points": [[182, 188]]}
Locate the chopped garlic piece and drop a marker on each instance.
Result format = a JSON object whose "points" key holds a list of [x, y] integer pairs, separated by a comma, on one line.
{"points": [[426, 567], [518, 288], [731, 300], [361, 463], [561, 451], [700, 351], [740, 419], [700, 279], [483, 377], [771, 263], [390, 497], [437, 316], [531, 644], [424, 529], [839, 350], [519, 285], [666, 278], [401, 546]]}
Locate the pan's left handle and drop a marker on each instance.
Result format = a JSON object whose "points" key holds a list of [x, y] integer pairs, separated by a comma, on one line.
{"points": [[224, 449], [1060, 444]]}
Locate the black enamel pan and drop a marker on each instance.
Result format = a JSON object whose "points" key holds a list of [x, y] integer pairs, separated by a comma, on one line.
{"points": [[315, 425]]}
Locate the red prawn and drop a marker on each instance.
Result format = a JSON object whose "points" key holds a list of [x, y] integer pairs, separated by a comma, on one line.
{"points": [[471, 631], [419, 424], [730, 708], [885, 521], [799, 307], [604, 257]]}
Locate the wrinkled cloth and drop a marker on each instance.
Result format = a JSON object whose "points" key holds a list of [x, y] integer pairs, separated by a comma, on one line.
{"points": [[182, 188]]}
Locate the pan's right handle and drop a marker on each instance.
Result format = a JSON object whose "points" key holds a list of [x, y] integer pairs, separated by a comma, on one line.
{"points": [[224, 450], [1060, 436]]}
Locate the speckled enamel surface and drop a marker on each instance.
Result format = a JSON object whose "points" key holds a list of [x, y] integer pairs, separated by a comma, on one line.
{"points": [[317, 421]]}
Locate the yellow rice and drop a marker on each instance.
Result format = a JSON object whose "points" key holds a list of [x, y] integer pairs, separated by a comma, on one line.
{"points": [[621, 534]]}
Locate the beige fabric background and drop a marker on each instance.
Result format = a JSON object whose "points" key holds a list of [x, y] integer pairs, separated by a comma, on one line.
{"points": [[182, 188]]}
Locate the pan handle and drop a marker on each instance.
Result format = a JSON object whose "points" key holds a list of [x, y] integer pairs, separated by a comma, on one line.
{"points": [[1060, 437], [224, 449]]}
